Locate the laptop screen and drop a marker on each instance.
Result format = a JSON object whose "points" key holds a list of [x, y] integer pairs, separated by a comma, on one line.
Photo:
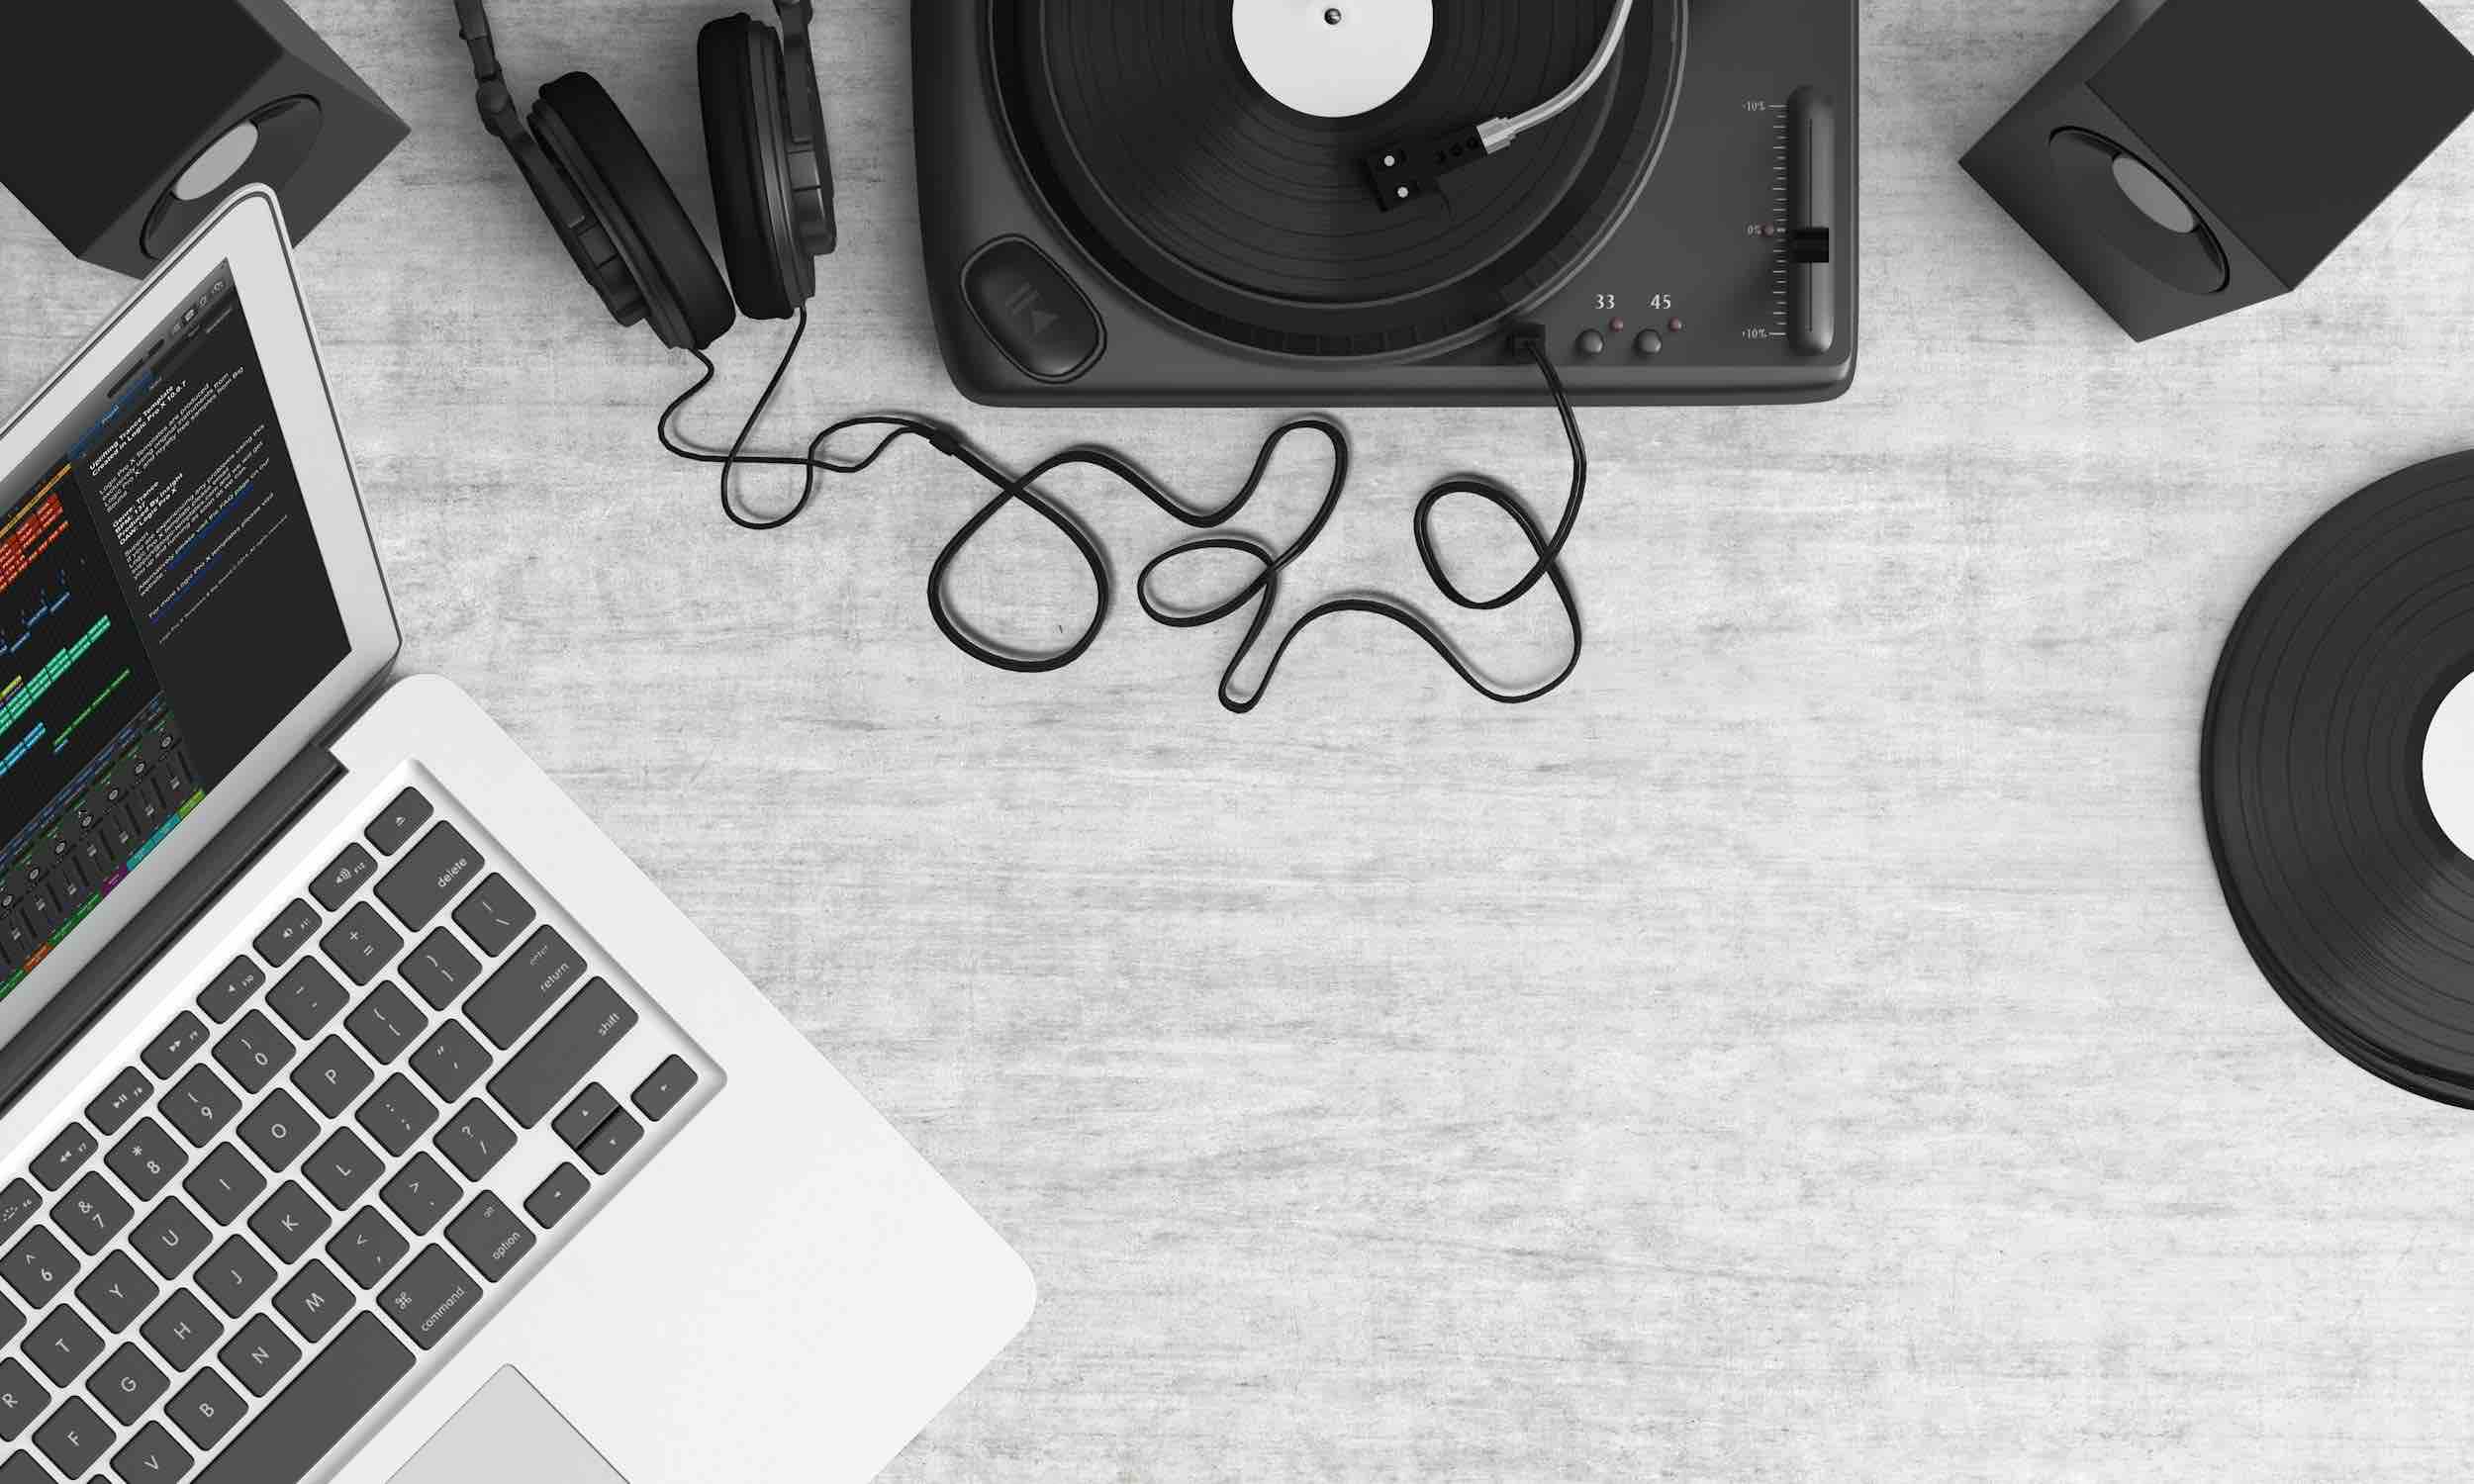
{"points": [[164, 606]]}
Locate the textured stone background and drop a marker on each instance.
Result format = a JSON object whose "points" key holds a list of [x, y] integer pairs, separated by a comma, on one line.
{"points": [[1811, 1047]]}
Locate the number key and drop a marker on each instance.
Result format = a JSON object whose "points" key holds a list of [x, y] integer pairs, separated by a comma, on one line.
{"points": [[92, 1213], [253, 1050], [199, 1106], [147, 1159], [38, 1268]]}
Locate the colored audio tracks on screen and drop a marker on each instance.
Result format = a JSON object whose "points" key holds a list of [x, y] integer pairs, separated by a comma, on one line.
{"points": [[35, 636], [90, 756], [163, 604]]}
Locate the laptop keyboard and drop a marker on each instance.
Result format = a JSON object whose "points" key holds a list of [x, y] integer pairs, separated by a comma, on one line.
{"points": [[355, 1136]]}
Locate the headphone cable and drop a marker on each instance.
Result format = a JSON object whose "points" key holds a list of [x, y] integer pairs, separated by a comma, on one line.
{"points": [[1545, 549]]}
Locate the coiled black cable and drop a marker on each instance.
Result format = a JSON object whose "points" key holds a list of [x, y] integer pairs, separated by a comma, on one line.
{"points": [[1546, 548]]}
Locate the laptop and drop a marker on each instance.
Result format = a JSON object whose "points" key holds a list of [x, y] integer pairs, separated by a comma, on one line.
{"points": [[368, 1116]]}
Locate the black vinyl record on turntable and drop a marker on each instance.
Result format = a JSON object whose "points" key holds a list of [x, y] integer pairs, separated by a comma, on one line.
{"points": [[2337, 777], [1287, 202]]}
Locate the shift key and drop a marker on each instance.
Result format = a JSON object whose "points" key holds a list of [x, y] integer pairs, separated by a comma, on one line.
{"points": [[538, 1079], [432, 874]]}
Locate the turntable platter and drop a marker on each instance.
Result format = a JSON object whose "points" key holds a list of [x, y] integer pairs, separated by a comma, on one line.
{"points": [[1174, 166]]}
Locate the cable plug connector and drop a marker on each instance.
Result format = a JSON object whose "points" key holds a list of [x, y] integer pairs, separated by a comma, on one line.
{"points": [[1527, 340]]}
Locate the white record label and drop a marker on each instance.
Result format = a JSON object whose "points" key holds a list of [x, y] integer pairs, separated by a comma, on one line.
{"points": [[1334, 58], [2449, 766]]}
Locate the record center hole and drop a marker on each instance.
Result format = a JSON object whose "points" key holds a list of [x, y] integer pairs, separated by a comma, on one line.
{"points": [[1331, 17]]}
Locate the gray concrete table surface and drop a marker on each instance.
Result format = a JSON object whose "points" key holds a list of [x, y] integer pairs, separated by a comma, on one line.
{"points": [[1811, 1047]]}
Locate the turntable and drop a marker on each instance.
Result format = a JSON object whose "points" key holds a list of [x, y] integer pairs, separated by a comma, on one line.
{"points": [[1284, 201]]}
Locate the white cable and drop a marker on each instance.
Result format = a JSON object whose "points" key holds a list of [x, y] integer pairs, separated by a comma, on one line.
{"points": [[1494, 133]]}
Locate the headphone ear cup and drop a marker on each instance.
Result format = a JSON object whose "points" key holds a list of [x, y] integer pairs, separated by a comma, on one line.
{"points": [[583, 130], [580, 230], [738, 73]]}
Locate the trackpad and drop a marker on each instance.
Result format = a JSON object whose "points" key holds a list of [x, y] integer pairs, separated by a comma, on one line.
{"points": [[507, 1434]]}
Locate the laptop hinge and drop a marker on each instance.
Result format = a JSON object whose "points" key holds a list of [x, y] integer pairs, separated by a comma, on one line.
{"points": [[134, 949]]}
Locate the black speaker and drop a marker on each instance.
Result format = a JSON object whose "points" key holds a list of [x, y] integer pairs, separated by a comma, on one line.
{"points": [[123, 125], [2190, 157]]}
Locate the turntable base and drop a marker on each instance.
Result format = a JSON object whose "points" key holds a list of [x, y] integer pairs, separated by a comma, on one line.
{"points": [[1150, 205]]}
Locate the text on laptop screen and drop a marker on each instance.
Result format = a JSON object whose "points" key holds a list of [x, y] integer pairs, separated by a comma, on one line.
{"points": [[162, 606]]}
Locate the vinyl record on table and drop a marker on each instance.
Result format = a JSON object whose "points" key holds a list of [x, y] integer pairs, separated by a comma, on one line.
{"points": [[1219, 206], [2353, 898]]}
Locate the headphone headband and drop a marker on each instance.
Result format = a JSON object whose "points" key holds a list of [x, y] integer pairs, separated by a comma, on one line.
{"points": [[472, 21], [495, 104]]}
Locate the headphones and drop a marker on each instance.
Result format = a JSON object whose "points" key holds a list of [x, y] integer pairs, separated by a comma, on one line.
{"points": [[623, 224]]}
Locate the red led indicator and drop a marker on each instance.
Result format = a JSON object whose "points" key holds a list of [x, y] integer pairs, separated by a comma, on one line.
{"points": [[1674, 326], [1617, 325]]}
